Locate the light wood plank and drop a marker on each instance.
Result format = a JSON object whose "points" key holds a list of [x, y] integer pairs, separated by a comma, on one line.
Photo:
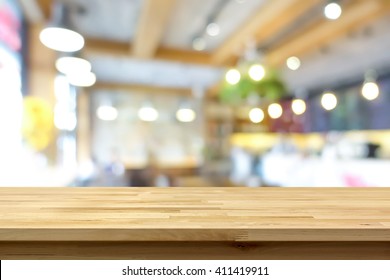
{"points": [[152, 23], [194, 214]]}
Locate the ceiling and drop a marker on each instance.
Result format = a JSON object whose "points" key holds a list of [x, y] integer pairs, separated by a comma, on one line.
{"points": [[149, 42], [344, 60]]}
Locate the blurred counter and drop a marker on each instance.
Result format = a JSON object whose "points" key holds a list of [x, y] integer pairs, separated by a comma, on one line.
{"points": [[298, 171]]}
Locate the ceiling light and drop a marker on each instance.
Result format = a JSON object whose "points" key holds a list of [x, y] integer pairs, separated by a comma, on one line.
{"points": [[256, 72], [329, 101], [61, 39], [107, 113], [370, 90], [240, 1], [147, 114], [298, 106], [185, 115], [68, 64], [82, 79], [213, 29], [275, 111], [333, 11], [58, 35], [199, 44], [293, 63], [256, 115], [233, 76]]}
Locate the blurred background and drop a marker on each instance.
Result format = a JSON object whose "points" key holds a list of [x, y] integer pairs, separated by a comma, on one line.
{"points": [[195, 93]]}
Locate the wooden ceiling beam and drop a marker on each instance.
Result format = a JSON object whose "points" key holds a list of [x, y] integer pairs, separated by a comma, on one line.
{"points": [[103, 47], [46, 7], [356, 15], [271, 19], [151, 27], [147, 89]]}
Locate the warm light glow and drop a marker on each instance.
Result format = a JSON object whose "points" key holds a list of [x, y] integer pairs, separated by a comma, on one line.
{"points": [[213, 29], [148, 114], [256, 115], [233, 76], [329, 101], [199, 44], [256, 72], [61, 39], [81, 79], [68, 64], [293, 63], [107, 113], [298, 106], [333, 11], [370, 91], [185, 115], [275, 111]]}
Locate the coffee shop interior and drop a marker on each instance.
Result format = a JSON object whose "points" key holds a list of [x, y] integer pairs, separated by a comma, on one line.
{"points": [[195, 93]]}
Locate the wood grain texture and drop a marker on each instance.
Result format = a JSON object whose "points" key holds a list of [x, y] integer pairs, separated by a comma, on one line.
{"points": [[194, 214], [195, 250]]}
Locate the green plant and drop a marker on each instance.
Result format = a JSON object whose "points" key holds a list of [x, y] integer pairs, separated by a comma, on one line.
{"points": [[270, 88]]}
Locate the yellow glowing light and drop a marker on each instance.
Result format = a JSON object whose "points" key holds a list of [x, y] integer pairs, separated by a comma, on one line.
{"points": [[333, 11], [329, 101], [256, 115], [275, 111], [298, 106], [370, 91], [185, 115], [257, 72], [293, 63], [233, 76]]}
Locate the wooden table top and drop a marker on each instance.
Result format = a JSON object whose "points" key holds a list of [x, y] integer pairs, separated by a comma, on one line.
{"points": [[194, 214]]}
